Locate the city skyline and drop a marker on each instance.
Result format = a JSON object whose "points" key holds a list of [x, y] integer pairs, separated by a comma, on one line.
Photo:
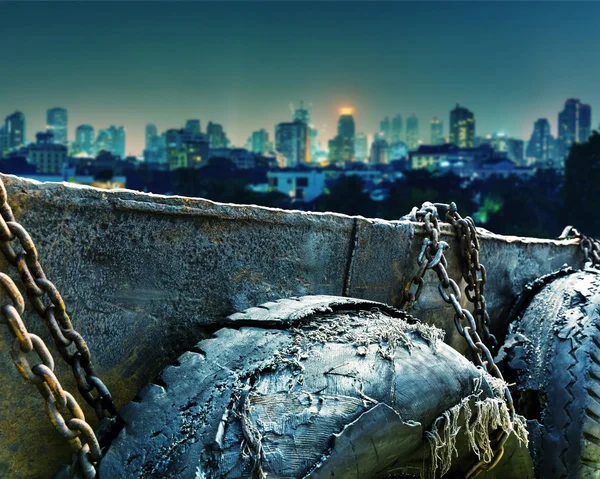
{"points": [[504, 61]]}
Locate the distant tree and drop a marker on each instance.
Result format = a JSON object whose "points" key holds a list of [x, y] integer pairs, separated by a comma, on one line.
{"points": [[582, 186], [347, 196]]}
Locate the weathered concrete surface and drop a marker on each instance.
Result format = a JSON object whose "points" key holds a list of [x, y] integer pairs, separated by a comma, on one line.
{"points": [[144, 276]]}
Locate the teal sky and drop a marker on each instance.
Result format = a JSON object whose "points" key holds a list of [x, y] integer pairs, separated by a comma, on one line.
{"points": [[243, 63]]}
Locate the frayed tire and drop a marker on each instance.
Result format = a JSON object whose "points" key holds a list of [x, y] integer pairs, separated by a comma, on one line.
{"points": [[316, 387], [552, 352]]}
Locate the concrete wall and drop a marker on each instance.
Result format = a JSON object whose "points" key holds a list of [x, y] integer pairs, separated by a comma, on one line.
{"points": [[145, 277]]}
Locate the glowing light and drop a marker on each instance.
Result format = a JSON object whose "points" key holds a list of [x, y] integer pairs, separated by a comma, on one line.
{"points": [[346, 111]]}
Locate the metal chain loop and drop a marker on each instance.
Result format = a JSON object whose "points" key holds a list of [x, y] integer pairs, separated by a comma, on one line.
{"points": [[467, 324], [76, 430], [589, 246], [71, 345]]}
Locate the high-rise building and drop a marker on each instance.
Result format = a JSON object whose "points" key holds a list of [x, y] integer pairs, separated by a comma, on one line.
{"points": [[437, 131], [103, 141], [313, 143], [193, 126], [3, 146], [15, 131], [396, 130], [385, 129], [216, 136], [84, 139], [412, 132], [302, 114], [379, 150], [361, 147], [462, 127], [118, 141], [46, 154], [112, 140], [292, 142], [540, 148], [151, 135], [57, 122], [341, 148], [574, 126], [260, 141]]}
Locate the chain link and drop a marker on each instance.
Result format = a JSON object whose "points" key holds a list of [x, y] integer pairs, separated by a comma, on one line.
{"points": [[71, 345], [19, 250], [589, 245], [75, 429], [467, 324]]}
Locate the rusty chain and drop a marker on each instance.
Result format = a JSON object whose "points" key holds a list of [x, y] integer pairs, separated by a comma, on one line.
{"points": [[75, 430], [589, 246], [467, 324], [49, 305], [71, 345]]}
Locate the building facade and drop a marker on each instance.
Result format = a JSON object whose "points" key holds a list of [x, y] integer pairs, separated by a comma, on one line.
{"points": [[396, 130], [292, 141], [412, 132], [217, 137], [574, 126], [15, 131], [48, 156], [361, 148], [84, 140], [57, 123], [260, 141], [437, 131], [341, 148], [462, 127]]}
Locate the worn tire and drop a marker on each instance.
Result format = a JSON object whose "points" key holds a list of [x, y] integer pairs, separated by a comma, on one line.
{"points": [[552, 353], [316, 386]]}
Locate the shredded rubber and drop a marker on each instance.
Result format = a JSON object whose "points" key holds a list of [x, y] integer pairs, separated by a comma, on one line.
{"points": [[480, 418]]}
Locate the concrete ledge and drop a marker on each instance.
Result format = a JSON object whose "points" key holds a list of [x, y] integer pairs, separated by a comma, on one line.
{"points": [[146, 276]]}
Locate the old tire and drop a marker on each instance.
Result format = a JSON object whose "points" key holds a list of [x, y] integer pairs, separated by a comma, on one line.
{"points": [[313, 386], [552, 353]]}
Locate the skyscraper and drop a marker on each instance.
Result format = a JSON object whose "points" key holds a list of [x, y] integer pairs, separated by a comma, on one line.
{"points": [[293, 142], [396, 130], [15, 131], [412, 132], [462, 127], [302, 114], [216, 135], [385, 129], [379, 150], [260, 141], [84, 139], [540, 146], [3, 146], [437, 131], [151, 134], [56, 122], [118, 141], [341, 148], [361, 148], [193, 126], [574, 126]]}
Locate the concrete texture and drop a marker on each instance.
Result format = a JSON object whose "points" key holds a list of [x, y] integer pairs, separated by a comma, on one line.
{"points": [[145, 277]]}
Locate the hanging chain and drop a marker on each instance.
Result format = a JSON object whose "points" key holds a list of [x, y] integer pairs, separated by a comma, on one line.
{"points": [[432, 257], [71, 345], [589, 246], [75, 430], [23, 255]]}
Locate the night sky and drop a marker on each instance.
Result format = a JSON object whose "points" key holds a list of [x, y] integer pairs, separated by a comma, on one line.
{"points": [[242, 64]]}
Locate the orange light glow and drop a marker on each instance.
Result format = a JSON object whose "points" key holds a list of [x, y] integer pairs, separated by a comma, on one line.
{"points": [[346, 111]]}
